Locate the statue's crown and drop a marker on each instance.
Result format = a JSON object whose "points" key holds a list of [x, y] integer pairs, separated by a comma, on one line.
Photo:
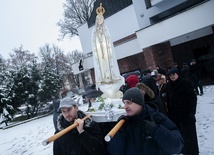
{"points": [[100, 10]]}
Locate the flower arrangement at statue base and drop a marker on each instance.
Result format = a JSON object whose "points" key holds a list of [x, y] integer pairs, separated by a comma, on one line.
{"points": [[104, 110]]}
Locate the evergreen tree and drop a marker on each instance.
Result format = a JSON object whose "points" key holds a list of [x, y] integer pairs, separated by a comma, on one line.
{"points": [[33, 88], [19, 91], [6, 110], [25, 89], [50, 85]]}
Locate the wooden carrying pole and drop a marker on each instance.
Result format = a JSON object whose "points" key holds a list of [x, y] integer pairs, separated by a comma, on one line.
{"points": [[61, 133], [114, 130]]}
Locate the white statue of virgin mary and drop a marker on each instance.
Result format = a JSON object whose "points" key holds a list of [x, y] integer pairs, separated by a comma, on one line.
{"points": [[105, 62]]}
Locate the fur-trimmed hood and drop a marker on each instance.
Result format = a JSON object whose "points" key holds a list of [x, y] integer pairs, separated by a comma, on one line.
{"points": [[148, 91]]}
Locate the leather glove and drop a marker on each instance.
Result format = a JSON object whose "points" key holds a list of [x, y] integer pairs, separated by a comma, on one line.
{"points": [[126, 118], [149, 126], [87, 122]]}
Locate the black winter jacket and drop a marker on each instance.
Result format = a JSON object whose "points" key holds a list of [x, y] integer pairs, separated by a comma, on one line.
{"points": [[90, 142], [165, 140], [181, 101]]}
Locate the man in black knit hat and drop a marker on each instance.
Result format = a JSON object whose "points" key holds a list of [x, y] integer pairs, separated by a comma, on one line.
{"points": [[182, 104], [145, 131]]}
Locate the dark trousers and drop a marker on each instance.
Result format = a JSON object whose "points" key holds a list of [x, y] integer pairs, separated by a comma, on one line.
{"points": [[197, 84]]}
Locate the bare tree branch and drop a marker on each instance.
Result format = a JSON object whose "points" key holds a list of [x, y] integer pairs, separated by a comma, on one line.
{"points": [[76, 13], [21, 57]]}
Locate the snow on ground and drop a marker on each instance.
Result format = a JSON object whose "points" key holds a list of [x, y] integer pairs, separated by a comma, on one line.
{"points": [[27, 138], [205, 121]]}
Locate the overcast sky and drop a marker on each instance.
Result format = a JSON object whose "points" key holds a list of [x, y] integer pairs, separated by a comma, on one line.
{"points": [[32, 23]]}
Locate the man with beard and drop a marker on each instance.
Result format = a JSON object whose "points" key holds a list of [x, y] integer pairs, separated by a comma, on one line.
{"points": [[85, 139]]}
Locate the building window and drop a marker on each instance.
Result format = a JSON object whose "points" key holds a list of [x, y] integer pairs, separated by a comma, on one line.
{"points": [[148, 3]]}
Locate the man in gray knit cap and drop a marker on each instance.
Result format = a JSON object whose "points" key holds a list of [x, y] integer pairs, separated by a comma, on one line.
{"points": [[145, 131]]}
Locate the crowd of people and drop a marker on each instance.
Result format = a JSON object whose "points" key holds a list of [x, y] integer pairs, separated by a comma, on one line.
{"points": [[160, 117]]}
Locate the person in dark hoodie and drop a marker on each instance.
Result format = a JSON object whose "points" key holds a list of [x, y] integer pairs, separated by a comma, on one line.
{"points": [[85, 139], [149, 97], [195, 76], [145, 131], [149, 79], [182, 102]]}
